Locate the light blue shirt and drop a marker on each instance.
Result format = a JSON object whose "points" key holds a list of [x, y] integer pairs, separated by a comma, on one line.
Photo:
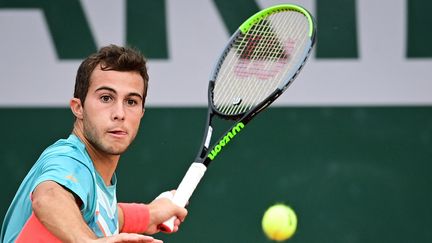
{"points": [[67, 163]]}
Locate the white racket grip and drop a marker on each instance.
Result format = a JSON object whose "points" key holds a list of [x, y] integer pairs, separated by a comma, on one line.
{"points": [[184, 191]]}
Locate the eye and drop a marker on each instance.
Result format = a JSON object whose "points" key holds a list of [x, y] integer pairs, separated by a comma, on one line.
{"points": [[105, 98], [131, 102]]}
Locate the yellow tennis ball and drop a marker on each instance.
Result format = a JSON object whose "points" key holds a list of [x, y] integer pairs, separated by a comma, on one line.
{"points": [[279, 222]]}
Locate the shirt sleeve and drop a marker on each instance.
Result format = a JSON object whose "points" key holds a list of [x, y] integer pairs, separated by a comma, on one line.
{"points": [[71, 174]]}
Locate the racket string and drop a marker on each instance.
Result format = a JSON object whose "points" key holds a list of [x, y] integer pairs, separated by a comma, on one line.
{"points": [[272, 50], [249, 43], [263, 30], [258, 61]]}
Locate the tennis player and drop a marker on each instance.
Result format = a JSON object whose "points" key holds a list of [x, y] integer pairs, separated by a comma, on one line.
{"points": [[69, 195]]}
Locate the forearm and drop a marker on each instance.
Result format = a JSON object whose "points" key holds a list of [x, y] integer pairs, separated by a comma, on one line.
{"points": [[57, 210]]}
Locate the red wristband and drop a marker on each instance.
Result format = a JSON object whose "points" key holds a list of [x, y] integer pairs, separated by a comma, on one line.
{"points": [[136, 217]]}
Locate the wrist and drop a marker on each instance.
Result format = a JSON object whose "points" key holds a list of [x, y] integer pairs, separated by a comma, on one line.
{"points": [[136, 217]]}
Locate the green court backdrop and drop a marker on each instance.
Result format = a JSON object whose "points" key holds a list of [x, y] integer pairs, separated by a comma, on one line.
{"points": [[349, 147], [352, 174]]}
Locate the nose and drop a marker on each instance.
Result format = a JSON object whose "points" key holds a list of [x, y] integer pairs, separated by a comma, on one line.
{"points": [[118, 113]]}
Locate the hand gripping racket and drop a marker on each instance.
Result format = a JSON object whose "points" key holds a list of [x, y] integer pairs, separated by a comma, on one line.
{"points": [[260, 61]]}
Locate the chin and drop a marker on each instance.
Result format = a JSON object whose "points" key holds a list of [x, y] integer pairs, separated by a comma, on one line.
{"points": [[113, 149], [116, 151]]}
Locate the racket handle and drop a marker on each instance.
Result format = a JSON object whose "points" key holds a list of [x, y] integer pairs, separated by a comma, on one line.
{"points": [[184, 191]]}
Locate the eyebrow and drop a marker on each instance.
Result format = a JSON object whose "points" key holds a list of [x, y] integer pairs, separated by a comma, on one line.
{"points": [[115, 92]]}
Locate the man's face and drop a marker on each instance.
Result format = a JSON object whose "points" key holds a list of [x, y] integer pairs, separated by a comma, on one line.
{"points": [[113, 110]]}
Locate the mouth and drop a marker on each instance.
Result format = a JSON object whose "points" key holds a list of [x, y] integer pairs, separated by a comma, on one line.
{"points": [[117, 133]]}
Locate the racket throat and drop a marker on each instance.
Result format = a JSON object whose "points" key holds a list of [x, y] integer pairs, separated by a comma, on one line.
{"points": [[225, 140]]}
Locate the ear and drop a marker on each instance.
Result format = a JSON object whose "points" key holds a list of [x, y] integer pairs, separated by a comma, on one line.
{"points": [[76, 108], [143, 111]]}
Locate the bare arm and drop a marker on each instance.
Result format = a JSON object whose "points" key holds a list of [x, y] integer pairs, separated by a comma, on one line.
{"points": [[58, 211]]}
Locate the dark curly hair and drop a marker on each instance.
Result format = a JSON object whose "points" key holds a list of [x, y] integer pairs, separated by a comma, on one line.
{"points": [[110, 57]]}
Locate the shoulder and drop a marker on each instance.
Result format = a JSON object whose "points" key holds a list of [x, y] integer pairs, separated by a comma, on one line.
{"points": [[67, 163], [67, 151]]}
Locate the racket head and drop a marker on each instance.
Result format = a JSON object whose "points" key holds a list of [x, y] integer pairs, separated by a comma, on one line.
{"points": [[261, 60]]}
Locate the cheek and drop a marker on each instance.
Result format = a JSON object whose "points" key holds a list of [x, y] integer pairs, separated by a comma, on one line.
{"points": [[94, 121], [99, 112], [135, 120]]}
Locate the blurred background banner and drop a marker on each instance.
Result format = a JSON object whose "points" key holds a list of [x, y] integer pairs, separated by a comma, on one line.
{"points": [[368, 52], [348, 146]]}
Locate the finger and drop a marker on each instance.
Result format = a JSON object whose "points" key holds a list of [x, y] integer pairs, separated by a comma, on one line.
{"points": [[173, 192], [128, 237], [181, 213], [177, 222], [167, 194]]}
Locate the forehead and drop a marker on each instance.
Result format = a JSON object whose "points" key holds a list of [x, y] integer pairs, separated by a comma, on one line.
{"points": [[121, 81]]}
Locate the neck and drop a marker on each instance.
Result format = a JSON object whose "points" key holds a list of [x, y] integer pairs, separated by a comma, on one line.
{"points": [[104, 163]]}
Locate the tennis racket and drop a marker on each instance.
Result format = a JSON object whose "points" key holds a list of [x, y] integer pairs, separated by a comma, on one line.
{"points": [[260, 61]]}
